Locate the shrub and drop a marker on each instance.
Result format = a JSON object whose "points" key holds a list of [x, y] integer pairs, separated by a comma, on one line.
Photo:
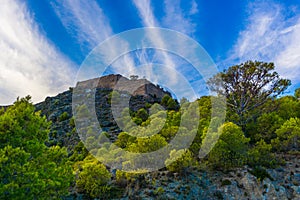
{"points": [[93, 177], [179, 160], [142, 114], [64, 116], [231, 149], [72, 122], [260, 173], [260, 155], [288, 136], [225, 182]]}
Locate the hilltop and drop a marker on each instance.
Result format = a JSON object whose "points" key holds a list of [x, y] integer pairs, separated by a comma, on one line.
{"points": [[58, 109]]}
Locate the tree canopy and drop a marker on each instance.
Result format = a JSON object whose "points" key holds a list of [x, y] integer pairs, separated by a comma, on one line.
{"points": [[28, 168], [248, 86]]}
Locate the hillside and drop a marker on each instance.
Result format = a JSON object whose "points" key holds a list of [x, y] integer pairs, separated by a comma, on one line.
{"points": [[58, 109], [259, 162]]}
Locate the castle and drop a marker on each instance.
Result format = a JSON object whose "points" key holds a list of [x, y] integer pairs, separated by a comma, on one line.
{"points": [[133, 86]]}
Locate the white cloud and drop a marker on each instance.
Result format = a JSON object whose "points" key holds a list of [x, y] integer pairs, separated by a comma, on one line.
{"points": [[29, 63], [90, 26], [86, 21], [177, 19], [194, 8], [149, 20], [146, 13], [272, 34]]}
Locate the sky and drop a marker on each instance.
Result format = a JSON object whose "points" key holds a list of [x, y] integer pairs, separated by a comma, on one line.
{"points": [[44, 43]]}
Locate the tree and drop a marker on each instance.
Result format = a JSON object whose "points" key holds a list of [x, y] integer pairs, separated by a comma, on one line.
{"points": [[248, 86], [297, 93], [93, 177], [231, 148], [169, 102], [28, 168], [134, 77], [260, 155], [288, 136], [21, 126], [264, 127], [288, 107], [148, 144], [142, 114]]}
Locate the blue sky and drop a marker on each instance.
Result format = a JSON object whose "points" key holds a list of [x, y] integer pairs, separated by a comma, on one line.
{"points": [[43, 43]]}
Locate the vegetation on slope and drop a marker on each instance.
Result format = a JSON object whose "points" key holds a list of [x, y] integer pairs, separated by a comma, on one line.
{"points": [[259, 125]]}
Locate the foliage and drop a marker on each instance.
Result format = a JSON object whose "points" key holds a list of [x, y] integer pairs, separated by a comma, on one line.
{"points": [[231, 148], [169, 102], [179, 160], [205, 119], [148, 144], [21, 127], [288, 107], [265, 127], [248, 86], [114, 97], [297, 93], [123, 178], [29, 169], [93, 177], [124, 140], [64, 116], [288, 136], [142, 114], [261, 155], [72, 122], [260, 173]]}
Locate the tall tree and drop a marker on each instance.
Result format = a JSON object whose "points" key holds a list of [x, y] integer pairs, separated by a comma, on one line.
{"points": [[248, 86], [28, 168]]}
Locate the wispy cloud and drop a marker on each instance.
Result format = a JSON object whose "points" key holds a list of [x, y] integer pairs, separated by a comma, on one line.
{"points": [[148, 19], [89, 25], [272, 34], [194, 8], [146, 13], [177, 19], [85, 21], [29, 63]]}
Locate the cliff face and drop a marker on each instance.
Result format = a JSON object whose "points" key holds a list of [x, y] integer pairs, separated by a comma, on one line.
{"points": [[58, 109]]}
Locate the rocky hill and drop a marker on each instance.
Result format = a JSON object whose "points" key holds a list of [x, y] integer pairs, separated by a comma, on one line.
{"points": [[282, 182], [58, 109], [197, 182]]}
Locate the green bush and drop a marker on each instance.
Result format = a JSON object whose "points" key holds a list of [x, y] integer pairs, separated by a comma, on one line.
{"points": [[261, 155], [288, 136], [93, 177], [72, 122], [231, 148], [179, 160], [142, 114], [260, 173], [124, 140], [28, 168], [225, 182], [64, 116]]}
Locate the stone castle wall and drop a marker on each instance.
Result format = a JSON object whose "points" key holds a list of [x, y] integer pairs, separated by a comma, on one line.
{"points": [[120, 83]]}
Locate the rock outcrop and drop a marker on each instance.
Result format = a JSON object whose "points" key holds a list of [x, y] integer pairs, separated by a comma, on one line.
{"points": [[283, 184], [58, 109]]}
